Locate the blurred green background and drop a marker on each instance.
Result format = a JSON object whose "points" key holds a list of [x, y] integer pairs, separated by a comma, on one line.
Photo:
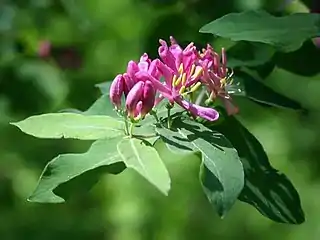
{"points": [[92, 41]]}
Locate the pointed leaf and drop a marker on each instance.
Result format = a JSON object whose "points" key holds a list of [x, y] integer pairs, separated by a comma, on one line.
{"points": [[146, 161], [102, 106], [71, 125], [268, 190], [66, 167], [286, 33], [104, 87]]}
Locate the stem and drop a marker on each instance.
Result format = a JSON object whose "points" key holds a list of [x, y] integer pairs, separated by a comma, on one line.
{"points": [[169, 118], [131, 129], [126, 127]]}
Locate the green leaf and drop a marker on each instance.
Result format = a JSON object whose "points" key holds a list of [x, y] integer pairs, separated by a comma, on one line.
{"points": [[218, 155], [286, 33], [249, 54], [266, 189], [71, 125], [146, 161], [80, 185], [65, 167], [104, 87], [102, 106], [174, 141], [258, 92]]}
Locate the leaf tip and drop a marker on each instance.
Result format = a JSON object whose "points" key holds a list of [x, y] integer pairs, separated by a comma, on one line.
{"points": [[36, 199]]}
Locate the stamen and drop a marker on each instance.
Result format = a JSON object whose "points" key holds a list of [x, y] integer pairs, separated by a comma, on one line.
{"points": [[174, 79], [193, 67], [197, 72], [177, 82], [180, 70], [182, 89], [184, 79], [195, 87]]}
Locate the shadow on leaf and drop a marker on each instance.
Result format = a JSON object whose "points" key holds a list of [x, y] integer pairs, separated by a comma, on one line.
{"points": [[268, 190], [80, 185]]}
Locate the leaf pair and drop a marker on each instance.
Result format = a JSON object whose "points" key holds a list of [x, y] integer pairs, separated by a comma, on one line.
{"points": [[111, 146]]}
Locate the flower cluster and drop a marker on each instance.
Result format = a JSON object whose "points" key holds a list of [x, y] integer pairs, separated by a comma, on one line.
{"points": [[176, 76]]}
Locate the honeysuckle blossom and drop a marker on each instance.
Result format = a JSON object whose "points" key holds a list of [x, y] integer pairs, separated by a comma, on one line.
{"points": [[181, 74], [216, 77], [123, 83], [176, 75]]}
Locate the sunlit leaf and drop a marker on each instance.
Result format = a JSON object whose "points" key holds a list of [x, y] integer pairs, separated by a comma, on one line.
{"points": [[66, 167], [104, 87], [174, 141], [286, 33], [71, 125], [102, 106], [146, 161], [218, 156]]}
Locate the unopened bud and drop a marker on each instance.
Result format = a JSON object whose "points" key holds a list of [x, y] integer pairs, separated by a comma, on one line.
{"points": [[149, 95], [133, 97], [116, 90]]}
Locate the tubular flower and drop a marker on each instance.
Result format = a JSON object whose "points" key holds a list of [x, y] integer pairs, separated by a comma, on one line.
{"points": [[140, 99], [216, 77], [116, 91], [123, 83], [182, 77]]}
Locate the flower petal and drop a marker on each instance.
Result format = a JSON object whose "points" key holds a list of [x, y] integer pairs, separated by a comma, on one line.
{"points": [[134, 96], [167, 56], [209, 114]]}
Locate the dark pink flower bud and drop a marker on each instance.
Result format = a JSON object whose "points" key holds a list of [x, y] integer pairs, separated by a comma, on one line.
{"points": [[133, 97], [149, 95], [128, 83], [116, 90], [140, 99]]}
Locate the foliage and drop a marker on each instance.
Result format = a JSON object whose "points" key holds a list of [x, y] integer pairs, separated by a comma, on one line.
{"points": [[231, 162]]}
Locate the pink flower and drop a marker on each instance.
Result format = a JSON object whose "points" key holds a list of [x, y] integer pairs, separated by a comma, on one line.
{"points": [[140, 99], [123, 83], [216, 77], [181, 74]]}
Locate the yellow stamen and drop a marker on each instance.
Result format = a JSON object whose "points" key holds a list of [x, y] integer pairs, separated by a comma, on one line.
{"points": [[193, 67], [223, 81], [180, 70], [178, 81], [174, 79], [198, 71], [195, 87], [182, 89], [184, 79]]}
